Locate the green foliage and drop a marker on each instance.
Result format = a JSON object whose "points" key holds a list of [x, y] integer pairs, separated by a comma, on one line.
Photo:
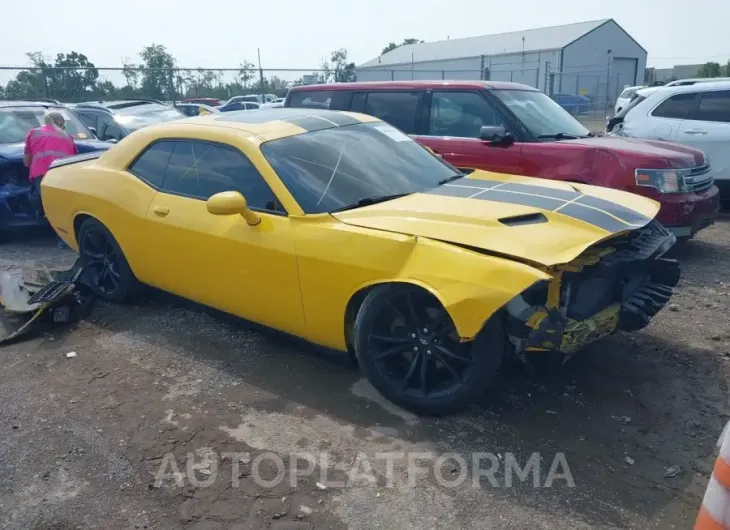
{"points": [[710, 69], [337, 69], [72, 77]]}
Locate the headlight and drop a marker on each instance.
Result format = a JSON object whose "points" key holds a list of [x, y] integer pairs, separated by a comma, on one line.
{"points": [[664, 180]]}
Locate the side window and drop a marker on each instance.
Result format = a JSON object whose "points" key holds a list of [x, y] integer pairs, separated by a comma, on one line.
{"points": [[200, 170], [358, 102], [714, 106], [340, 100], [316, 99], [89, 119], [111, 131], [397, 108], [677, 106], [151, 165], [460, 114]]}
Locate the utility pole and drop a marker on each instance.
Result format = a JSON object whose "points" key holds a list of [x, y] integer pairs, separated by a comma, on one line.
{"points": [[261, 76]]}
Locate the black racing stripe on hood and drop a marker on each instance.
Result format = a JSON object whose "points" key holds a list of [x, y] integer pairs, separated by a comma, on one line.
{"points": [[311, 123], [341, 119], [604, 214], [626, 215], [541, 190]]}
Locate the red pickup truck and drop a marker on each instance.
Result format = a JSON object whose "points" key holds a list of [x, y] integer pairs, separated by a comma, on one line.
{"points": [[513, 128]]}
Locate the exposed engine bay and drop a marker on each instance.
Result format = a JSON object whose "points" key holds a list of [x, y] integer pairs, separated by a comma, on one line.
{"points": [[619, 284]]}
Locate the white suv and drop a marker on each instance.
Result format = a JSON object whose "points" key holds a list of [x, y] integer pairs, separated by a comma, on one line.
{"points": [[695, 115]]}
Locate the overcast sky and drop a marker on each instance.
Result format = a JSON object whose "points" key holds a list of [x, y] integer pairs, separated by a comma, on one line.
{"points": [[299, 33]]}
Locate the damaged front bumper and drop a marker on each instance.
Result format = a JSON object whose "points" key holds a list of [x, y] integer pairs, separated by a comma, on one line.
{"points": [[620, 284]]}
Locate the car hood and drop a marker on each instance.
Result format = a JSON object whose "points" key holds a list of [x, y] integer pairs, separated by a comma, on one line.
{"points": [[675, 155], [533, 220], [15, 151]]}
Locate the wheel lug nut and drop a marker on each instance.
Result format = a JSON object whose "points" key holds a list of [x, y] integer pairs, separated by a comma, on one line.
{"points": [[428, 352], [415, 348], [425, 330], [413, 335]]}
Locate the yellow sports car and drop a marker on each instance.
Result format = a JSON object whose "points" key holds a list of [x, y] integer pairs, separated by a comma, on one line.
{"points": [[339, 229]]}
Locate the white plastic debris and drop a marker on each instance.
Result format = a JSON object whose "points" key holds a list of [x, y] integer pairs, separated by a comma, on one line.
{"points": [[672, 471], [306, 510], [71, 355], [321, 486], [629, 460]]}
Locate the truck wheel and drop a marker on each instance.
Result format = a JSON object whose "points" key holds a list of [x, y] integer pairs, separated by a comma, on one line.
{"points": [[408, 347]]}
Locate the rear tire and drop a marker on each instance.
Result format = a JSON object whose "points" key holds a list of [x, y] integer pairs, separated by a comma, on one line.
{"points": [[407, 345], [106, 269]]}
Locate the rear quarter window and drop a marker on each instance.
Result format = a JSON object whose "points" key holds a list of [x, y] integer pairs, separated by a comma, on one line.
{"points": [[677, 106]]}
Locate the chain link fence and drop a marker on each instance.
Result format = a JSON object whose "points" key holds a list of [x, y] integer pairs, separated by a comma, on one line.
{"points": [[589, 94]]}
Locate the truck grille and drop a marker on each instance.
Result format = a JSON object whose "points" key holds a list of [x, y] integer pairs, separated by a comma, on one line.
{"points": [[699, 178]]}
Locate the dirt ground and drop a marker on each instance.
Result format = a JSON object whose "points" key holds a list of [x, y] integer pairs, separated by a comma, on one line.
{"points": [[83, 439]]}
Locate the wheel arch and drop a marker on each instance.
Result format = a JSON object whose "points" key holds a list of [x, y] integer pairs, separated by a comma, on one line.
{"points": [[357, 298]]}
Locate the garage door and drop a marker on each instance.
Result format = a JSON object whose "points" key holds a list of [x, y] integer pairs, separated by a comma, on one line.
{"points": [[623, 73]]}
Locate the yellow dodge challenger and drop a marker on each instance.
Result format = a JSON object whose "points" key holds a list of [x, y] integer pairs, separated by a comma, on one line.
{"points": [[339, 229]]}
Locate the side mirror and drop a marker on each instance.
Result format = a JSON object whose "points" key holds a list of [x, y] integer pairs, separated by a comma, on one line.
{"points": [[494, 133], [232, 203]]}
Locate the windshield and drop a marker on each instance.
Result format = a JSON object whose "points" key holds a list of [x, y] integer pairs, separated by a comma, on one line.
{"points": [[138, 120], [623, 112], [628, 93], [542, 116], [333, 168], [15, 122]]}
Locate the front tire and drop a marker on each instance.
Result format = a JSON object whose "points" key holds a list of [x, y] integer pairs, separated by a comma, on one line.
{"points": [[105, 267], [408, 347]]}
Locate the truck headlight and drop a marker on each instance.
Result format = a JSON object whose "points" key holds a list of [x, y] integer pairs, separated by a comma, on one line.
{"points": [[664, 180]]}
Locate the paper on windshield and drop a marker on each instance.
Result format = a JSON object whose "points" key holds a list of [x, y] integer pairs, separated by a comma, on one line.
{"points": [[392, 133]]}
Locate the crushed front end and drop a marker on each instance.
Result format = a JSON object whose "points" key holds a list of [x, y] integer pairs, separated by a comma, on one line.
{"points": [[620, 283], [20, 206]]}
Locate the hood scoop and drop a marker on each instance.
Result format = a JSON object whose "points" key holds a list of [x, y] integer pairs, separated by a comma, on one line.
{"points": [[520, 220]]}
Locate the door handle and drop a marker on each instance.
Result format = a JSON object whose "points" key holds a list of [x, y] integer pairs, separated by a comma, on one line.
{"points": [[695, 131], [162, 211]]}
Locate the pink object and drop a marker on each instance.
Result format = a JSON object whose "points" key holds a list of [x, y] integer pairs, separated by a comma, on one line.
{"points": [[44, 145]]}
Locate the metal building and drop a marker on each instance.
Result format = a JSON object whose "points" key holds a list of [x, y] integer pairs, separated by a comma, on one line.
{"points": [[596, 58]]}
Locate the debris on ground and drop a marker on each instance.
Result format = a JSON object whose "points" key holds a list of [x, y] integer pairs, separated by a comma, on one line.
{"points": [[42, 297], [71, 355], [672, 471], [629, 460]]}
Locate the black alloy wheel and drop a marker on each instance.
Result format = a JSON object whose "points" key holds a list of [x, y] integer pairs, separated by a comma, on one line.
{"points": [[106, 269], [408, 346]]}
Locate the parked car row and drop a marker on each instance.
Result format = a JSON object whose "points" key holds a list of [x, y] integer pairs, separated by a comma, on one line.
{"points": [[515, 129]]}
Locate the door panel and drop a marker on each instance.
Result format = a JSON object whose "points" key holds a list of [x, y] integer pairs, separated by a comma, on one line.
{"points": [[453, 127], [708, 130], [222, 262]]}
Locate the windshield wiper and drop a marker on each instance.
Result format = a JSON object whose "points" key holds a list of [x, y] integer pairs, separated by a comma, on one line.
{"points": [[560, 136], [367, 201], [450, 179]]}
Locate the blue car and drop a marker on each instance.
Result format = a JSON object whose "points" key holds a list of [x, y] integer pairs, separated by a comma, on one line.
{"points": [[20, 205], [573, 104], [238, 105]]}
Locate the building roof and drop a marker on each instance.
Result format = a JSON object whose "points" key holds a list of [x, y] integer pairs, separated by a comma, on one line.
{"points": [[548, 38]]}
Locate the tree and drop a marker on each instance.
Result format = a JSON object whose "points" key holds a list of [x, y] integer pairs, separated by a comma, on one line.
{"points": [[392, 46], [337, 69], [710, 69], [157, 76], [73, 77], [246, 73], [727, 70]]}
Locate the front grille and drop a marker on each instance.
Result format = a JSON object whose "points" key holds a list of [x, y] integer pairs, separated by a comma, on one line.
{"points": [[699, 178]]}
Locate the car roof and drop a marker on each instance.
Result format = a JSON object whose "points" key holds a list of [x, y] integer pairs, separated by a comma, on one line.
{"points": [[697, 80], [385, 85], [44, 104], [679, 89], [266, 124]]}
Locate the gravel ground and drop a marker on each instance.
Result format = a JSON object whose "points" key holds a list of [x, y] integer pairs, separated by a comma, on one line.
{"points": [[162, 384]]}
